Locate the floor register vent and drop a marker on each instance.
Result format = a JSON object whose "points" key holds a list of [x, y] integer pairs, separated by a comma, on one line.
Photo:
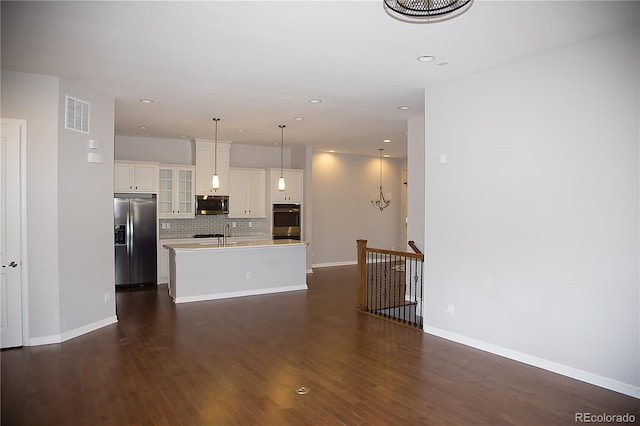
{"points": [[76, 115]]}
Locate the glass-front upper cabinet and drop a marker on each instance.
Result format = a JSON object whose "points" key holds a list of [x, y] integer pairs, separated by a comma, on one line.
{"points": [[176, 196]]}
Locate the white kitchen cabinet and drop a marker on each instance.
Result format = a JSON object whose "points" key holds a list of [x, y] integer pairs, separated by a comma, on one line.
{"points": [[205, 160], [135, 177], [247, 193], [176, 192], [293, 184]]}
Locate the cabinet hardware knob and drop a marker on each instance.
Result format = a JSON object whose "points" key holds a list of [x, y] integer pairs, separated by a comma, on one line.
{"points": [[13, 264]]}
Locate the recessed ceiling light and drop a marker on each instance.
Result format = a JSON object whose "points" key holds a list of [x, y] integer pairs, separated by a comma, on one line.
{"points": [[315, 101], [426, 58], [386, 140], [299, 118], [404, 107], [142, 127], [276, 144], [444, 63], [240, 130], [184, 136], [332, 150], [146, 101], [386, 155]]}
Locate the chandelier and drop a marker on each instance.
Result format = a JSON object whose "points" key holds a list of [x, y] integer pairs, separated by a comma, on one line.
{"points": [[425, 11], [380, 200]]}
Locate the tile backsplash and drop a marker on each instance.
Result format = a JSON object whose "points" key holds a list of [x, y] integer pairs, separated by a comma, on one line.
{"points": [[185, 228]]}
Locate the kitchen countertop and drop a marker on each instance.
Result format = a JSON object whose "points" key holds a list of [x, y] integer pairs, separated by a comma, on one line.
{"points": [[233, 237], [230, 245]]}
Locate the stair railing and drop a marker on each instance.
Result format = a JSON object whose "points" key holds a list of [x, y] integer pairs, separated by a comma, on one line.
{"points": [[391, 283]]}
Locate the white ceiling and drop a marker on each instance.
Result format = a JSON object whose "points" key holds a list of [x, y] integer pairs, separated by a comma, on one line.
{"points": [[256, 64]]}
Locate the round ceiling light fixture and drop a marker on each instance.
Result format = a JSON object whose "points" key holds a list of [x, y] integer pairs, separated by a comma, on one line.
{"points": [[315, 101], [425, 11], [426, 58]]}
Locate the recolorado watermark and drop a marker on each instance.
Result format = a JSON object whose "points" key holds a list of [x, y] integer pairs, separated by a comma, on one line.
{"points": [[604, 418]]}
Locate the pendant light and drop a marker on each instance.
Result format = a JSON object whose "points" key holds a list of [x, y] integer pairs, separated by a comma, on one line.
{"points": [[281, 180], [380, 201], [215, 181]]}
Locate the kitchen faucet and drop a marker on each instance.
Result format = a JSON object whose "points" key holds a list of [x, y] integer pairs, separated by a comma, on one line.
{"points": [[226, 233]]}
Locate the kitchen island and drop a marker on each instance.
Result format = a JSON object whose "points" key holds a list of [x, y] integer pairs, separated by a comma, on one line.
{"points": [[207, 271]]}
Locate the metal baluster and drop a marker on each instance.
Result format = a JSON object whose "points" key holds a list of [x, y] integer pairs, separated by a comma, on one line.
{"points": [[421, 294]]}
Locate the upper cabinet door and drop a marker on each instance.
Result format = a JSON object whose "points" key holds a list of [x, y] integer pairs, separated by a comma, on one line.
{"points": [[293, 186], [257, 197], [247, 196], [165, 192], [184, 196], [205, 159], [176, 193], [135, 177], [146, 178], [122, 177]]}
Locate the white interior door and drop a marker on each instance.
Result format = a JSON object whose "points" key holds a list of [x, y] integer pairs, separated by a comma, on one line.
{"points": [[10, 205]]}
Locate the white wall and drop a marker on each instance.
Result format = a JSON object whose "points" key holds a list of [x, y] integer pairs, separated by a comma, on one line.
{"points": [[415, 185], [178, 151], [85, 214], [342, 212], [169, 151], [35, 99], [69, 208], [532, 224], [259, 157]]}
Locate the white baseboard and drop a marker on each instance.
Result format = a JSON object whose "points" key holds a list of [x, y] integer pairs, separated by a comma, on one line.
{"points": [[244, 293], [565, 370], [59, 338], [327, 265], [310, 271]]}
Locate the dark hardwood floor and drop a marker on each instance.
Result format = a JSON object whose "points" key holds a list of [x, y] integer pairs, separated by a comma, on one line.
{"points": [[239, 361]]}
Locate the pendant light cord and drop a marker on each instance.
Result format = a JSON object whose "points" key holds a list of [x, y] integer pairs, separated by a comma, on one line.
{"points": [[380, 149], [215, 155], [282, 126]]}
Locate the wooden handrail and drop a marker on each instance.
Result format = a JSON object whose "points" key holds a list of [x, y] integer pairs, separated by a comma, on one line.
{"points": [[418, 256], [412, 244]]}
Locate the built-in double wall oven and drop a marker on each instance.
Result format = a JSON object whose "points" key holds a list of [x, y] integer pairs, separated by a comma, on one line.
{"points": [[286, 221]]}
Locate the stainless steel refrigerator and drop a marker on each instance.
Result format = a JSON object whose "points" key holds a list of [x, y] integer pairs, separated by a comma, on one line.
{"points": [[135, 239]]}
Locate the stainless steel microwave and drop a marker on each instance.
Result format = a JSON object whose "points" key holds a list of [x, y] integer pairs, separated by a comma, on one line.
{"points": [[212, 204]]}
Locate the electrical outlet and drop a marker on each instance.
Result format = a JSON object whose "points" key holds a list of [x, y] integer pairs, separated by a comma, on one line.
{"points": [[233, 224], [250, 224], [107, 297], [247, 275], [450, 310], [168, 225]]}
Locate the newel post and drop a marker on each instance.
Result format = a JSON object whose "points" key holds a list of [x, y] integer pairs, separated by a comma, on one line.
{"points": [[362, 275]]}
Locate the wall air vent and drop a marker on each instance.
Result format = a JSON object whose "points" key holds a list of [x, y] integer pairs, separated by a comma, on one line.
{"points": [[76, 116]]}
